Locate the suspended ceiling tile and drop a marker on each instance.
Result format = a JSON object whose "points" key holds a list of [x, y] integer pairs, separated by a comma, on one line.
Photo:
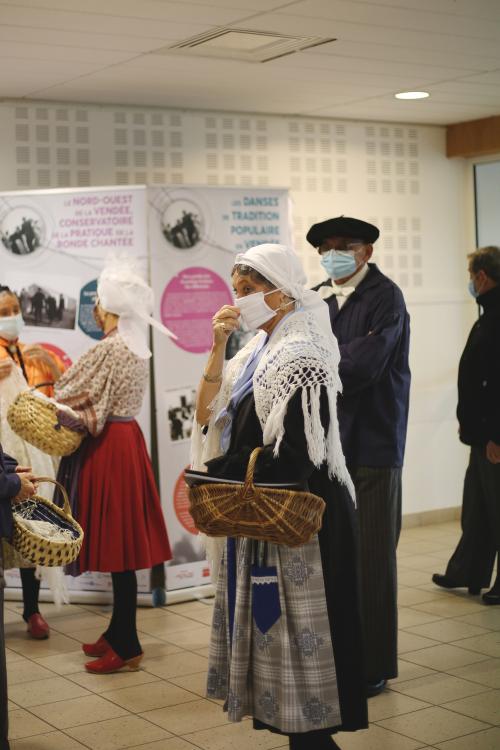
{"points": [[385, 110], [314, 59], [390, 15], [139, 9], [481, 8], [20, 67], [395, 52], [492, 78], [93, 23], [87, 41], [286, 23], [35, 52], [466, 90]]}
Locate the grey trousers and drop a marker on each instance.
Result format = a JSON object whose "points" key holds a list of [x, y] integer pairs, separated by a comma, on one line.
{"points": [[4, 720], [472, 562], [379, 496]]}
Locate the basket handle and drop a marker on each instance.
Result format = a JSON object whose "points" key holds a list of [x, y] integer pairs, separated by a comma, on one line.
{"points": [[248, 486], [67, 506]]}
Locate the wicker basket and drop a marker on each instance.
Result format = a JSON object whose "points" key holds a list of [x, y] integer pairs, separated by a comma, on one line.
{"points": [[37, 549], [35, 419], [282, 516]]}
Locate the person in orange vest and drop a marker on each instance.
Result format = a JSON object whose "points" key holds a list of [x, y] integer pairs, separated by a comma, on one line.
{"points": [[38, 366]]}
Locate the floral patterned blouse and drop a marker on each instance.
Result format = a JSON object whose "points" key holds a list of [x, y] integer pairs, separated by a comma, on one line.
{"points": [[107, 381]]}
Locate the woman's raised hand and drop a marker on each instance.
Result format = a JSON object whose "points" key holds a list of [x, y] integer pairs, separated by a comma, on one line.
{"points": [[224, 322]]}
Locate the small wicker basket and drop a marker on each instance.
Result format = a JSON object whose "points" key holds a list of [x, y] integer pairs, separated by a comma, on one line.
{"points": [[282, 516], [35, 419], [37, 549]]}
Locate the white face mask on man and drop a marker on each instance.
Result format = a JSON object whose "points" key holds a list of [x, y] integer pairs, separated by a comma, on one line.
{"points": [[11, 327]]}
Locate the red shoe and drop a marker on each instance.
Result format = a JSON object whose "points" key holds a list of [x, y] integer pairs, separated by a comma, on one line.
{"points": [[111, 662], [99, 648], [38, 627]]}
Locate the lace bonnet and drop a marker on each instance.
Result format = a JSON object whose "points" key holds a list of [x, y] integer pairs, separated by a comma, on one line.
{"points": [[121, 290], [281, 266]]}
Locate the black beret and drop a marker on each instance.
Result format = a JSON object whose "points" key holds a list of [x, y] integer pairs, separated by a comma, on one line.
{"points": [[342, 226]]}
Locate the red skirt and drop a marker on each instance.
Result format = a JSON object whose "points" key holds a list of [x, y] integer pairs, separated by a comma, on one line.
{"points": [[118, 503]]}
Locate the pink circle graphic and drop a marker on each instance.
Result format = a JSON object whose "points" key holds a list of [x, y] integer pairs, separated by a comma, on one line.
{"points": [[188, 304]]}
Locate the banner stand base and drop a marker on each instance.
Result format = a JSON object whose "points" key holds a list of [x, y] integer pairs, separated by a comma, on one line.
{"points": [[193, 593]]}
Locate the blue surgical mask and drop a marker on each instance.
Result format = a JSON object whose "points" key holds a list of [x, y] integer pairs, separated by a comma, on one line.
{"points": [[472, 289], [11, 327], [339, 263]]}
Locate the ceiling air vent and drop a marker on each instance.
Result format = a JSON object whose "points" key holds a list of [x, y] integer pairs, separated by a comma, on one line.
{"points": [[241, 44]]}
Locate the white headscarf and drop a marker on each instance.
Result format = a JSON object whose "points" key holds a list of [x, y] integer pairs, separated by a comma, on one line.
{"points": [[281, 266], [123, 292]]}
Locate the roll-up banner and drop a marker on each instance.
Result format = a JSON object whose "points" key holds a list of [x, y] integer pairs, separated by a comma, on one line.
{"points": [[53, 245], [194, 235]]}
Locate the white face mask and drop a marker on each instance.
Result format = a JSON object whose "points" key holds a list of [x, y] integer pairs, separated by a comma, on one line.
{"points": [[254, 311], [11, 327]]}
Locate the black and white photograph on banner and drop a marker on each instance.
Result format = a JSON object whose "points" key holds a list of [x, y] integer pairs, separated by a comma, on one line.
{"points": [[180, 405], [237, 341], [182, 224], [22, 230], [45, 306], [187, 549]]}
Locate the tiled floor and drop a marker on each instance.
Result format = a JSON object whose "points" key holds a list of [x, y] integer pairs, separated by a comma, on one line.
{"points": [[447, 695]]}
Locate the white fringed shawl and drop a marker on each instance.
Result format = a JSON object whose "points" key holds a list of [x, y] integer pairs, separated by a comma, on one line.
{"points": [[300, 356]]}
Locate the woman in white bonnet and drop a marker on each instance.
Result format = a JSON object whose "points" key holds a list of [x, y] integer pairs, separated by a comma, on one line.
{"points": [[294, 663], [110, 478]]}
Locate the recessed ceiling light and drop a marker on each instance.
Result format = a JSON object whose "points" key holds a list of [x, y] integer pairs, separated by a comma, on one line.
{"points": [[412, 95]]}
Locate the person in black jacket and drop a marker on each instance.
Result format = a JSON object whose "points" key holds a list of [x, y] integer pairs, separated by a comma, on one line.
{"points": [[369, 319], [16, 484], [478, 413]]}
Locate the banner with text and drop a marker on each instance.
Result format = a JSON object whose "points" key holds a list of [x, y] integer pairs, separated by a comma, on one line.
{"points": [[194, 235], [53, 245]]}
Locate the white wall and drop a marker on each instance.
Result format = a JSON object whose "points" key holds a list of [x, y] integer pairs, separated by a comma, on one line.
{"points": [[394, 175]]}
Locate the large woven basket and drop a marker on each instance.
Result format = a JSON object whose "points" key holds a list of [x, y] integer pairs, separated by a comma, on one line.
{"points": [[35, 419], [282, 516], [37, 549]]}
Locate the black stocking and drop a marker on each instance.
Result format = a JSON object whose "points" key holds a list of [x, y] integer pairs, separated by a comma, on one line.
{"points": [[122, 630], [31, 589]]}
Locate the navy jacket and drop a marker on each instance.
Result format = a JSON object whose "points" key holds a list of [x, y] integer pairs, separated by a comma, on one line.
{"points": [[373, 331], [478, 408], [10, 484]]}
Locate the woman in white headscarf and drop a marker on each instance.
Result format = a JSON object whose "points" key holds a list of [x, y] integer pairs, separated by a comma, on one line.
{"points": [[295, 664], [110, 479]]}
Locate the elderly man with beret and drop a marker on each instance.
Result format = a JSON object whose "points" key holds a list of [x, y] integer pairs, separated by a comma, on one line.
{"points": [[370, 320], [16, 484]]}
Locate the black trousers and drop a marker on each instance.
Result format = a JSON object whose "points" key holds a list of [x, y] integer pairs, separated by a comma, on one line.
{"points": [[472, 562], [4, 719], [379, 495], [122, 630]]}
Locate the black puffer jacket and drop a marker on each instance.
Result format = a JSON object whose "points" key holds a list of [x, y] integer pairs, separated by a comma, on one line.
{"points": [[478, 408]]}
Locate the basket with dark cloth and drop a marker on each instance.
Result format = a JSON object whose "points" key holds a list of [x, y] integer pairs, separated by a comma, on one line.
{"points": [[45, 424], [266, 513], [45, 534]]}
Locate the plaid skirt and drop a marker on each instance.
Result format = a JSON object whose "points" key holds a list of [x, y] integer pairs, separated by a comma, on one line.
{"points": [[271, 654]]}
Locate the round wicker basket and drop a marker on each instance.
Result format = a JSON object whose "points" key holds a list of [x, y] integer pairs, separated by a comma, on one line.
{"points": [[35, 420], [282, 516], [40, 550]]}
